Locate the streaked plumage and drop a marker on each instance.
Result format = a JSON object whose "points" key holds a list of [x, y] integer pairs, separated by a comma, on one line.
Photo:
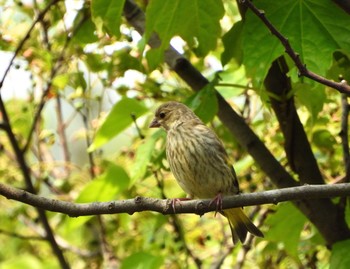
{"points": [[199, 162]]}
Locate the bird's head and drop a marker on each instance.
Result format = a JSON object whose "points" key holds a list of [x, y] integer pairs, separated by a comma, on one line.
{"points": [[171, 114]]}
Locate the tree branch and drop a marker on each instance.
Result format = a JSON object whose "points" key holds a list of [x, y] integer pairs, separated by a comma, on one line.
{"points": [[342, 86], [344, 135], [164, 206], [343, 4], [297, 147]]}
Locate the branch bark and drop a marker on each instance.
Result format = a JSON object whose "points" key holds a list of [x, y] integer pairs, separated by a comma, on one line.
{"points": [[164, 206], [344, 135], [297, 147]]}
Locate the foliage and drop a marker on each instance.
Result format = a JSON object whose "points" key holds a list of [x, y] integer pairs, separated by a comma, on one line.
{"points": [[98, 83]]}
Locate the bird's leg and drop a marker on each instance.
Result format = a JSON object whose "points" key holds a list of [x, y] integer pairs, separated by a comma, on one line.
{"points": [[218, 202], [178, 200]]}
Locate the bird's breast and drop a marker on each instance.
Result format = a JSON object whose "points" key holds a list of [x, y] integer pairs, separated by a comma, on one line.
{"points": [[198, 167]]}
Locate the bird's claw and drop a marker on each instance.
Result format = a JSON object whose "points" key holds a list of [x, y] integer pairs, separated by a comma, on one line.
{"points": [[218, 202], [177, 200]]}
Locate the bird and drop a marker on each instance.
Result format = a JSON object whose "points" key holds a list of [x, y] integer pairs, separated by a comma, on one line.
{"points": [[200, 163]]}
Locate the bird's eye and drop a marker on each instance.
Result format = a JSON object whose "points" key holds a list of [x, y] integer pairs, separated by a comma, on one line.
{"points": [[162, 115]]}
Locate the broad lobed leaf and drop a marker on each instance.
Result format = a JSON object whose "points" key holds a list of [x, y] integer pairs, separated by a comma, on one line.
{"points": [[117, 120], [196, 21], [309, 25]]}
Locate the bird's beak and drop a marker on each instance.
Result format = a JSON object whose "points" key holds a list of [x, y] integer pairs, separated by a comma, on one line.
{"points": [[154, 124]]}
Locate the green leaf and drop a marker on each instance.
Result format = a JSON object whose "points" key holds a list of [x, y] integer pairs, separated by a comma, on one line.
{"points": [[85, 33], [95, 62], [22, 261], [285, 226], [105, 187], [154, 57], [106, 15], [340, 258], [204, 103], [312, 97], [341, 66], [142, 260], [60, 81], [196, 21], [123, 61], [235, 80], [117, 120], [244, 164], [143, 156], [21, 114], [75, 80], [310, 27], [232, 42], [72, 224], [323, 139]]}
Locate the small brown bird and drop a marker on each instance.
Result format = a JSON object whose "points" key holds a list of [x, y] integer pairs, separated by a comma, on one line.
{"points": [[199, 162]]}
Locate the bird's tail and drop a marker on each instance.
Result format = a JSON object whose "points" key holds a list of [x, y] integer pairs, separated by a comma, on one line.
{"points": [[240, 225]]}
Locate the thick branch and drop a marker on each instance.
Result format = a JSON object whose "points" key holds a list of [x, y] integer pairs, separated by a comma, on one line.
{"points": [[342, 86], [297, 147], [163, 206], [344, 133], [344, 4]]}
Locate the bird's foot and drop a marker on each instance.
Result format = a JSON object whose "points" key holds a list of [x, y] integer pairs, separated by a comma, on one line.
{"points": [[178, 200], [218, 202]]}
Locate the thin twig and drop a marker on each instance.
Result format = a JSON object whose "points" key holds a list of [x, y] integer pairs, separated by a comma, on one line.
{"points": [[60, 241], [45, 34], [140, 204], [234, 85], [110, 259], [248, 245], [137, 127], [218, 263], [26, 37], [43, 98], [61, 132], [47, 90], [20, 236], [342, 86]]}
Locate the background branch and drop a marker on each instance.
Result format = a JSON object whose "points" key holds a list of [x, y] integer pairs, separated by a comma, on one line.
{"points": [[163, 206], [296, 145], [344, 133]]}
